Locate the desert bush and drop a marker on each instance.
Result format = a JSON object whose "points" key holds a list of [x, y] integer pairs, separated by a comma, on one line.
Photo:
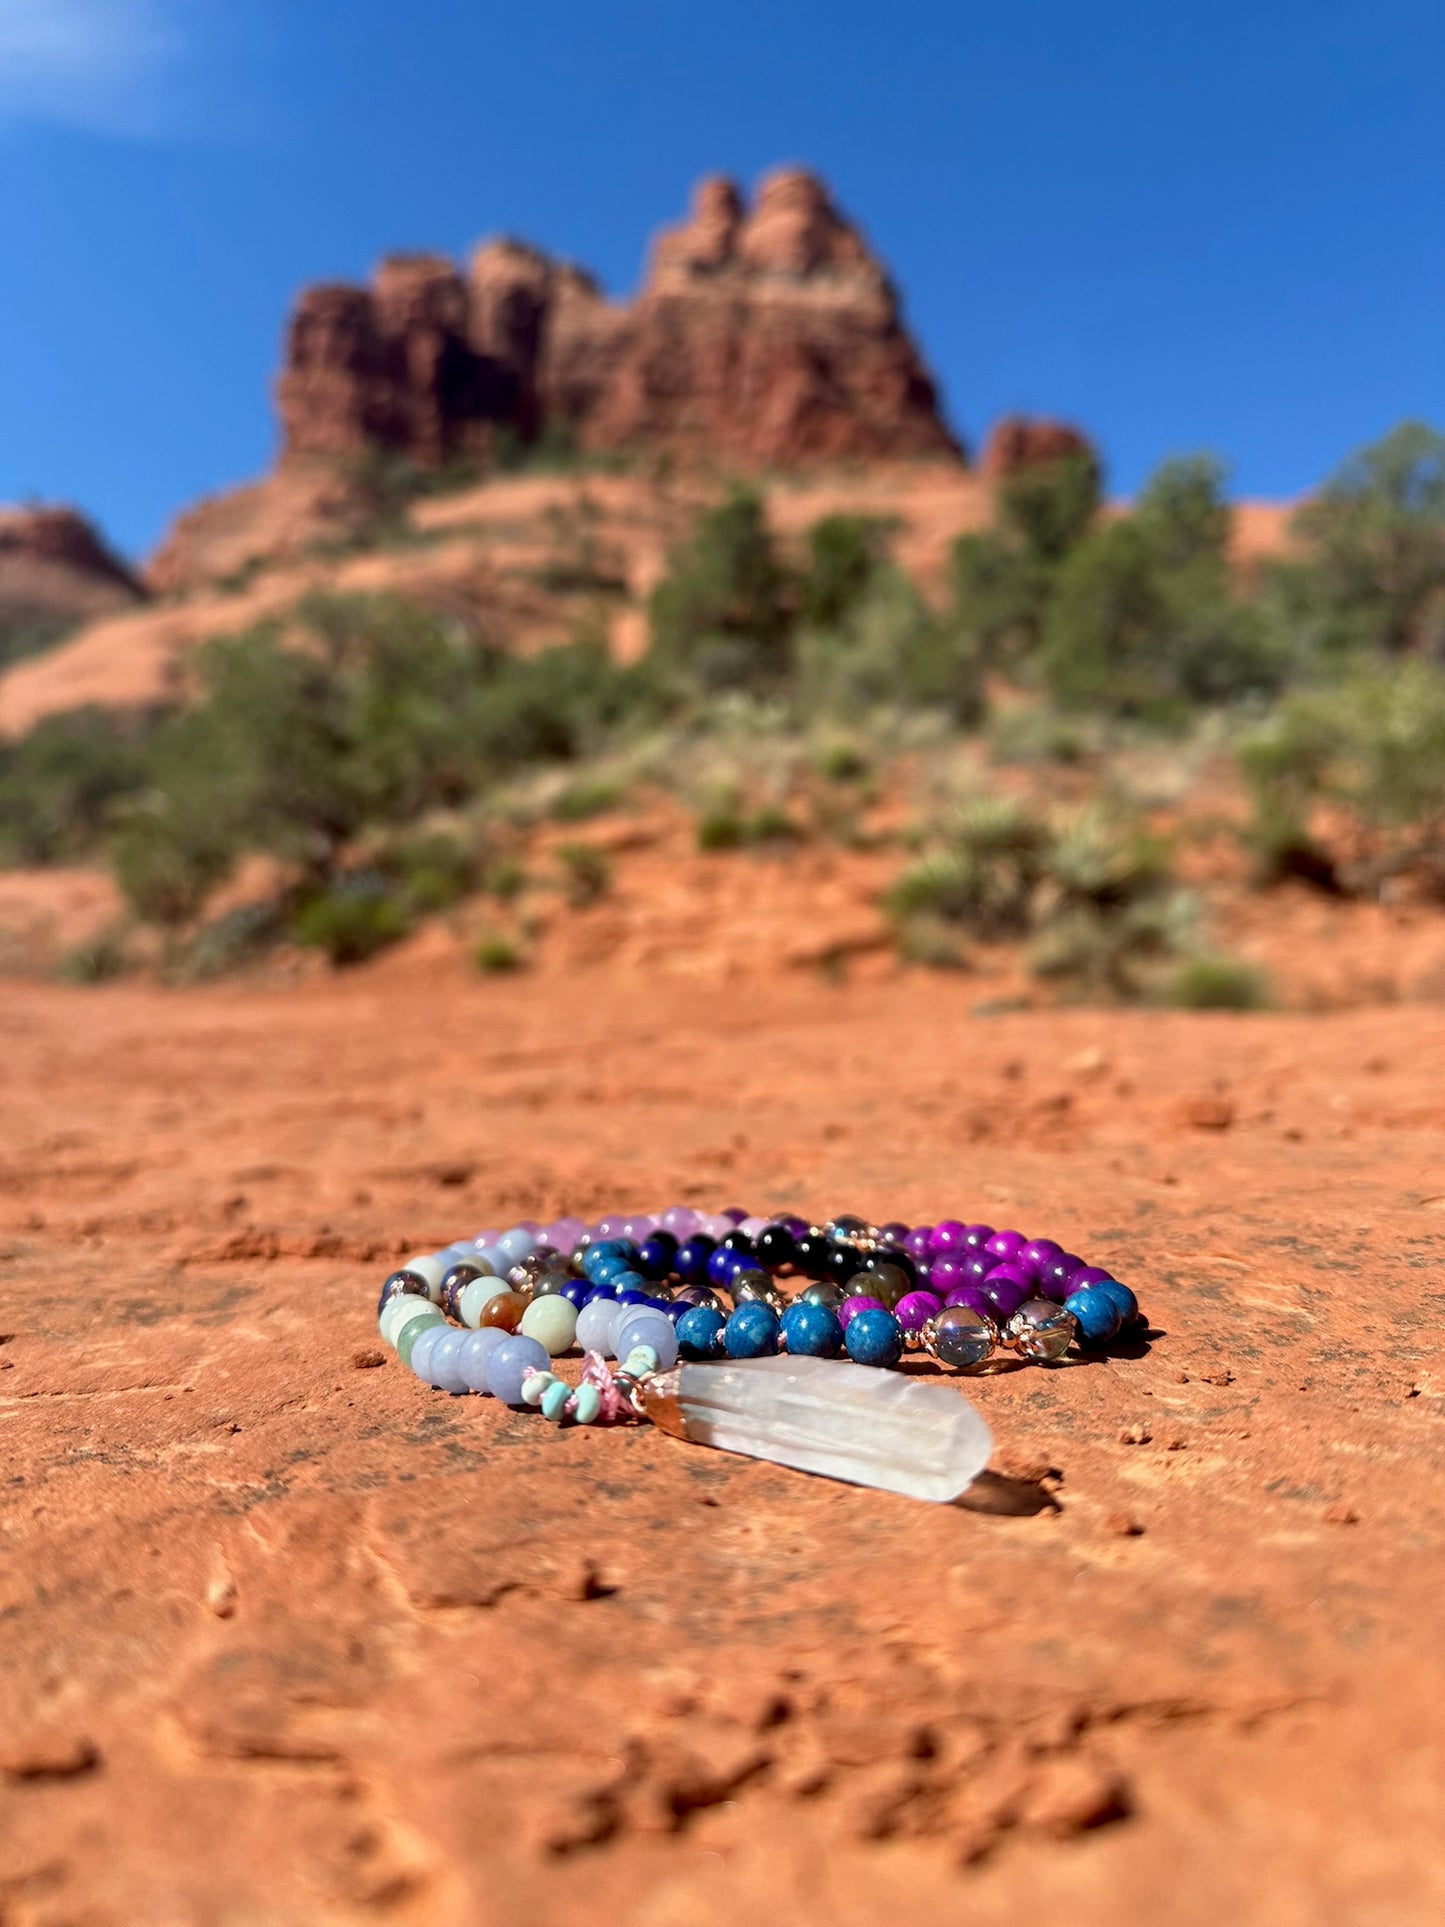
{"points": [[845, 552], [432, 868], [586, 871], [352, 920], [61, 786], [31, 634], [1371, 752], [496, 953], [587, 797], [98, 960], [1212, 981], [723, 614], [1373, 575], [891, 651]]}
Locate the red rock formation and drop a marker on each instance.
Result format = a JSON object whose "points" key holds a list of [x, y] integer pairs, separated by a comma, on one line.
{"points": [[1019, 441], [764, 337], [55, 570]]}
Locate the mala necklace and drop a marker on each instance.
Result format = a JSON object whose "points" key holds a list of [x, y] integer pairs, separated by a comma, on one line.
{"points": [[730, 1294]]}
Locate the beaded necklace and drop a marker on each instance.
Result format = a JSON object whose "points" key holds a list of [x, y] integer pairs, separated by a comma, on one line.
{"points": [[761, 1312]]}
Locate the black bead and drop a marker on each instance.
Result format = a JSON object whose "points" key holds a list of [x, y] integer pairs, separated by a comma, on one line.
{"points": [[775, 1247], [739, 1241], [843, 1262], [810, 1255]]}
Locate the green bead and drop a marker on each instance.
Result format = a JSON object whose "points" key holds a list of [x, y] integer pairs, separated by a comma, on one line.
{"points": [[411, 1331], [554, 1400], [589, 1404], [642, 1358]]}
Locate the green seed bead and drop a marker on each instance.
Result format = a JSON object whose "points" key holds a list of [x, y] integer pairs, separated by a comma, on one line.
{"points": [[411, 1331], [554, 1400], [642, 1358], [535, 1389], [589, 1404]]}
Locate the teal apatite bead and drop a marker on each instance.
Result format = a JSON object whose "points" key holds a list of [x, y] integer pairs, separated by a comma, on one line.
{"points": [[812, 1331], [554, 1399], [589, 1404], [1122, 1296], [752, 1331], [700, 1332], [874, 1338], [1097, 1314]]}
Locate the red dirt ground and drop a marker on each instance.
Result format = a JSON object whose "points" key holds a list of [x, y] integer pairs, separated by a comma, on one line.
{"points": [[289, 1639]]}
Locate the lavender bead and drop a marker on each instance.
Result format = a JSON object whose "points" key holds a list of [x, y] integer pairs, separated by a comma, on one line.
{"points": [[1006, 1245], [716, 1224], [647, 1327], [422, 1350], [443, 1361], [915, 1308], [509, 1364], [610, 1226], [477, 1349], [594, 1324], [638, 1226], [752, 1226], [681, 1220]]}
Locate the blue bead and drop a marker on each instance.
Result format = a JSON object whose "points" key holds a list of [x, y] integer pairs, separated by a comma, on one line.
{"points": [[654, 1260], [633, 1298], [576, 1292], [874, 1338], [602, 1291], [1097, 1313], [1122, 1296], [812, 1331], [625, 1281], [751, 1331], [721, 1265], [690, 1264], [699, 1331]]}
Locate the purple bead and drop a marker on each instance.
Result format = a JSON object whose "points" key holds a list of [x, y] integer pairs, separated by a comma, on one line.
{"points": [[443, 1365], [945, 1238], [477, 1348], [798, 1226], [609, 1227], [733, 1211], [978, 1265], [1007, 1287], [421, 1351], [1038, 1253], [915, 1308], [1090, 1275], [639, 1227], [947, 1272], [976, 1236], [1006, 1245], [972, 1296], [1058, 1276], [916, 1243], [681, 1220], [716, 1224], [509, 1364], [850, 1308]]}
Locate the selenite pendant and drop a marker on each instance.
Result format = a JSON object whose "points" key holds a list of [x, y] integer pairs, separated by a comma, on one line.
{"points": [[819, 1415]]}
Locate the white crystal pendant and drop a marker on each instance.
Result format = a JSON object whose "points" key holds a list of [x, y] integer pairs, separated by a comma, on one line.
{"points": [[850, 1422]]}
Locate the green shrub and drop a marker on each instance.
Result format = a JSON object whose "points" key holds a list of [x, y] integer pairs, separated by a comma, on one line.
{"points": [[63, 784], [433, 868], [723, 613], [587, 871], [1049, 507], [239, 938], [1214, 982], [96, 961], [505, 880], [844, 554], [892, 651], [352, 920], [588, 797], [842, 762], [496, 953], [722, 826], [31, 634]]}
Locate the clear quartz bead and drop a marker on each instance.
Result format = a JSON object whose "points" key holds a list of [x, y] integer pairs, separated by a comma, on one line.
{"points": [[1041, 1329]]}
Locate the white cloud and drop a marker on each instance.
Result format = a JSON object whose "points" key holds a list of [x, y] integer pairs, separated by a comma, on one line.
{"points": [[101, 64]]}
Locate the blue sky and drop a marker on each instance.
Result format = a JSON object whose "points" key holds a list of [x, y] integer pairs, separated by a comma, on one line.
{"points": [[1185, 226]]}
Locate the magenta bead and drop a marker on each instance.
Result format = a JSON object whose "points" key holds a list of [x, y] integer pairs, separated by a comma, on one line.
{"points": [[947, 1273], [1007, 1286], [972, 1296], [915, 1308], [1006, 1245], [916, 1243], [1037, 1253], [850, 1308], [946, 1238]]}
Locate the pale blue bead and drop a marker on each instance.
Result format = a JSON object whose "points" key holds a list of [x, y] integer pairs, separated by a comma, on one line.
{"points": [[518, 1244], [422, 1350], [494, 1261], [554, 1399], [589, 1404], [510, 1363], [647, 1327], [442, 1361], [594, 1325], [473, 1356]]}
